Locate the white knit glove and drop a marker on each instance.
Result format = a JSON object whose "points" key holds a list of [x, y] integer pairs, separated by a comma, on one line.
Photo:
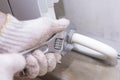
{"points": [[18, 35], [10, 64], [38, 64], [21, 35]]}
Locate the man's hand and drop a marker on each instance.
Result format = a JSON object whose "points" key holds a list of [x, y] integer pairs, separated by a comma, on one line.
{"points": [[38, 63], [18, 35], [10, 63]]}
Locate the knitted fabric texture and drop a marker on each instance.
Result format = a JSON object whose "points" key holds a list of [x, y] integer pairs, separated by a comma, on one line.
{"points": [[19, 35]]}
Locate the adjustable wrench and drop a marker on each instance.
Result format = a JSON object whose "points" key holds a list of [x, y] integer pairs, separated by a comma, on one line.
{"points": [[55, 44]]}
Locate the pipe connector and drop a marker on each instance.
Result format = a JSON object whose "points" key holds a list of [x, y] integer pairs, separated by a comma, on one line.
{"points": [[69, 36]]}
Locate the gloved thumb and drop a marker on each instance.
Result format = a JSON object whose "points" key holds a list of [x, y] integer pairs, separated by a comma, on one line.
{"points": [[10, 64], [60, 25]]}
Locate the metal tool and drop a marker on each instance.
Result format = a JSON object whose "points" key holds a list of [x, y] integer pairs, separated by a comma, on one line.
{"points": [[54, 45]]}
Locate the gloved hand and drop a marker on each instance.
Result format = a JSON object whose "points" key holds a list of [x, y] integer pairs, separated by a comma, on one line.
{"points": [[10, 64], [20, 35], [38, 64]]}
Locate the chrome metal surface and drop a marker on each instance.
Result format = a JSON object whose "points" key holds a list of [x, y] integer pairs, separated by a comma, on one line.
{"points": [[54, 45]]}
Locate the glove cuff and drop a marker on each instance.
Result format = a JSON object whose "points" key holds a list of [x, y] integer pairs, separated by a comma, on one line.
{"points": [[12, 35]]}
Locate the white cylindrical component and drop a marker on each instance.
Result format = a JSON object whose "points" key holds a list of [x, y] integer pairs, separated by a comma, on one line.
{"points": [[109, 52], [51, 11], [46, 8], [88, 51], [43, 7]]}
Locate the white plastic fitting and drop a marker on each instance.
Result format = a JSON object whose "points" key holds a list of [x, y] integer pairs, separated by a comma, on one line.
{"points": [[46, 8]]}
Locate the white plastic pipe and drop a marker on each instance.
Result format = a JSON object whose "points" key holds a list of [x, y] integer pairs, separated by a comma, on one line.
{"points": [[109, 53], [46, 8], [88, 51], [43, 7]]}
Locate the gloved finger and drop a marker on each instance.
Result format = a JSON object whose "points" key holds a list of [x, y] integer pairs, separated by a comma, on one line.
{"points": [[32, 66], [42, 61], [51, 59], [12, 63], [60, 25], [58, 57]]}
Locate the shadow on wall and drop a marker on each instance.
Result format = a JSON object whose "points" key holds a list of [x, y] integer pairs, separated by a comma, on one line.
{"points": [[59, 9]]}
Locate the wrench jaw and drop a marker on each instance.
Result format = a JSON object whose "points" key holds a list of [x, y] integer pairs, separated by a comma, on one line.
{"points": [[56, 44], [59, 43], [67, 47]]}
